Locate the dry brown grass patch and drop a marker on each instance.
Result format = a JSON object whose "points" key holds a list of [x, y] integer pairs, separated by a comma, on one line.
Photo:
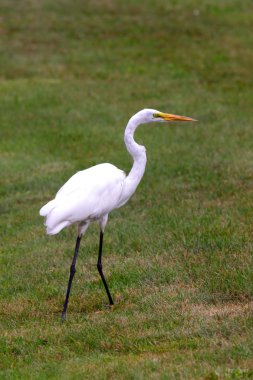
{"points": [[231, 310]]}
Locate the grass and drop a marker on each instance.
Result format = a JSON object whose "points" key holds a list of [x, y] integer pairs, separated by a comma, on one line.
{"points": [[178, 257]]}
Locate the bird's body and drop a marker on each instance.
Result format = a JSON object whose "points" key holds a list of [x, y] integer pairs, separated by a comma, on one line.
{"points": [[90, 195], [86, 197]]}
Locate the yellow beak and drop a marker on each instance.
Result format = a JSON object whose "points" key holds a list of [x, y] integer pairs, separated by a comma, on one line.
{"points": [[171, 117]]}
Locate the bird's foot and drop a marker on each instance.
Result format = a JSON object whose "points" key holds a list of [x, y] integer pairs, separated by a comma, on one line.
{"points": [[108, 307], [63, 317]]}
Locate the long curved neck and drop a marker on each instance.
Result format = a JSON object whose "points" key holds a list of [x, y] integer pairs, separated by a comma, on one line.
{"points": [[138, 153]]}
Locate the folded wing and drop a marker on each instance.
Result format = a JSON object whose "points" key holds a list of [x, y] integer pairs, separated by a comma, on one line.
{"points": [[86, 196]]}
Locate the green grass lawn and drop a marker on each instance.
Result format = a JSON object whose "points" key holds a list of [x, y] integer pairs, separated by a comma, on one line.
{"points": [[178, 257]]}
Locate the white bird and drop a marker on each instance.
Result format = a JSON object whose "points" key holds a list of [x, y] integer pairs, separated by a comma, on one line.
{"points": [[91, 194]]}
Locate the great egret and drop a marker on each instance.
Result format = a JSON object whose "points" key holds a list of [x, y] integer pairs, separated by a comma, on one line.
{"points": [[91, 194]]}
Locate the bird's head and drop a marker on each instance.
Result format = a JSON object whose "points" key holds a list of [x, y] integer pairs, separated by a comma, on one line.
{"points": [[150, 115]]}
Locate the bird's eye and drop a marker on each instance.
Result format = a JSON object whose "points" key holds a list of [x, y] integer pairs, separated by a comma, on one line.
{"points": [[156, 115]]}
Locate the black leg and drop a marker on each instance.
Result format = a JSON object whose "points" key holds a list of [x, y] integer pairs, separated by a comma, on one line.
{"points": [[99, 266], [71, 275]]}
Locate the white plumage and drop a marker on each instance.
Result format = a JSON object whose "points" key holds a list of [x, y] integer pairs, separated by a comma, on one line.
{"points": [[86, 196], [90, 195]]}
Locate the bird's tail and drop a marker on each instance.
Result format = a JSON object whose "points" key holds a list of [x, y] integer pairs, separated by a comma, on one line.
{"points": [[54, 220], [47, 208], [54, 229]]}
